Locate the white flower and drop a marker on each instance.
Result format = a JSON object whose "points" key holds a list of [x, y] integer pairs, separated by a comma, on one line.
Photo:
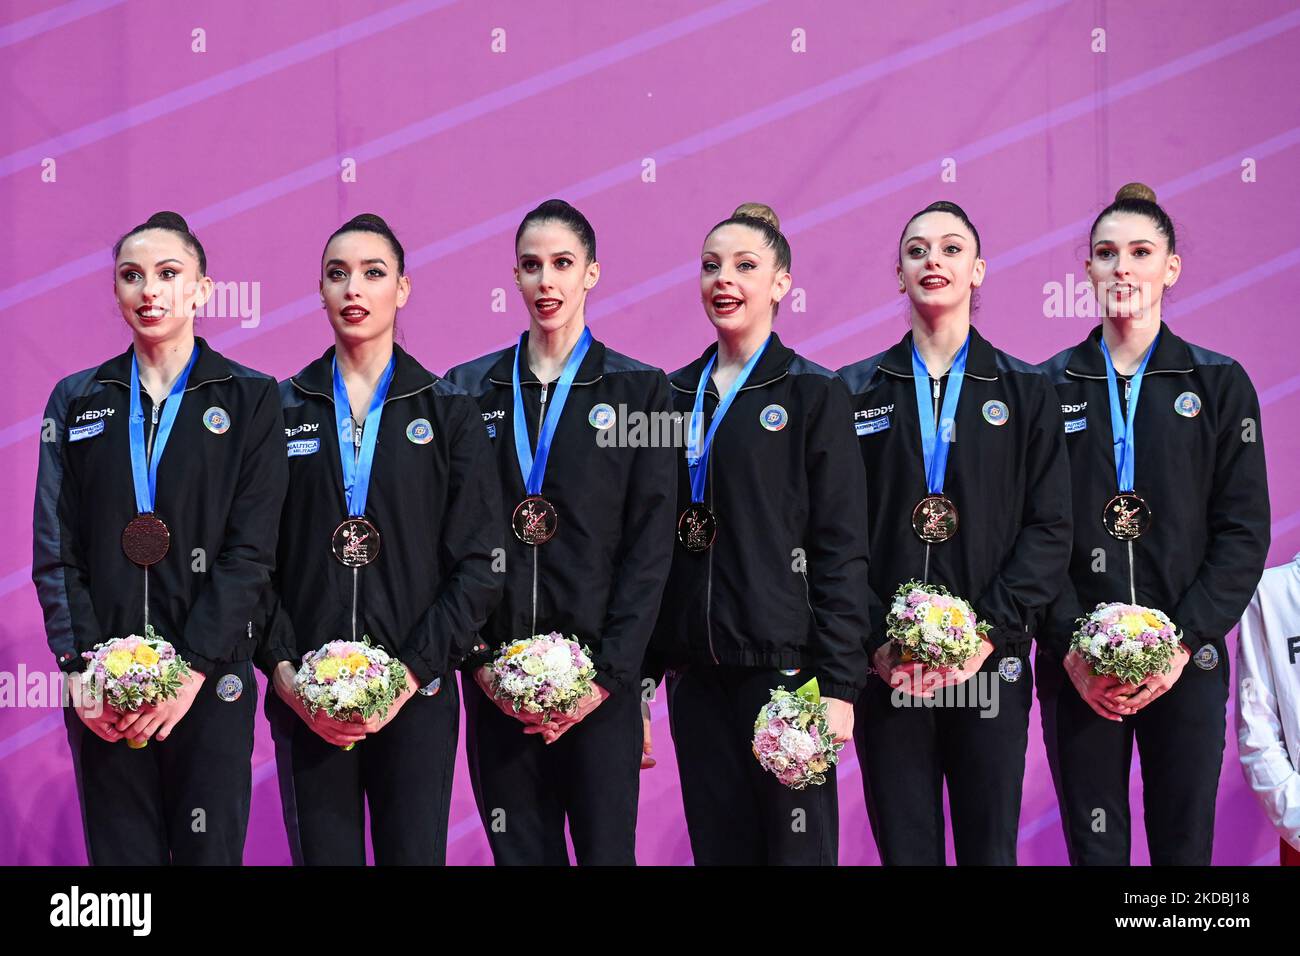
{"points": [[798, 744], [558, 660]]}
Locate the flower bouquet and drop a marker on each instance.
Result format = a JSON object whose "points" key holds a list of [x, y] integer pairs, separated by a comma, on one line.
{"points": [[933, 628], [543, 674], [792, 738], [1126, 641], [349, 680], [131, 672]]}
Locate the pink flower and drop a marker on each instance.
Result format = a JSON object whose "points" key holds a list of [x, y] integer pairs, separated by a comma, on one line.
{"points": [[765, 743], [776, 726]]}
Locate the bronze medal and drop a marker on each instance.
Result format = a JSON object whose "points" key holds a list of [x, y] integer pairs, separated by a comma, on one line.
{"points": [[934, 519], [145, 539], [535, 520], [355, 542], [1127, 516], [696, 528]]}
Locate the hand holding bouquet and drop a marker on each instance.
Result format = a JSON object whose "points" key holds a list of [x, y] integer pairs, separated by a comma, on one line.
{"points": [[350, 680], [932, 628], [792, 738], [1126, 641], [132, 672], [544, 674]]}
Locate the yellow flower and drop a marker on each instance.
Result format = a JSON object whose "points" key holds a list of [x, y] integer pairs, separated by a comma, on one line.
{"points": [[328, 668], [357, 662], [817, 765], [118, 661], [146, 655], [958, 618], [1152, 621], [934, 616], [517, 649], [1133, 624]]}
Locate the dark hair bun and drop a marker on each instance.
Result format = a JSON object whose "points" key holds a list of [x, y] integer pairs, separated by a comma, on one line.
{"points": [[1135, 191], [368, 219], [758, 210], [167, 220]]}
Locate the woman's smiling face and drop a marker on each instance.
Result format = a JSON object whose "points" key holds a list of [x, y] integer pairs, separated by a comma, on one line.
{"points": [[157, 284], [739, 280]]}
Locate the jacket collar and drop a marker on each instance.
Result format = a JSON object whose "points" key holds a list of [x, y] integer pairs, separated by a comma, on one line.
{"points": [[210, 366], [981, 357], [774, 364], [409, 376], [590, 371], [1171, 355]]}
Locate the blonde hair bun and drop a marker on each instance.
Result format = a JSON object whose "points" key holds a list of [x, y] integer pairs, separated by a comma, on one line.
{"points": [[758, 210], [1135, 191]]}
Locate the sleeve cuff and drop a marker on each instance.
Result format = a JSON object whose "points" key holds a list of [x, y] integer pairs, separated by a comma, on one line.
{"points": [[197, 662], [605, 678], [844, 692], [424, 674]]}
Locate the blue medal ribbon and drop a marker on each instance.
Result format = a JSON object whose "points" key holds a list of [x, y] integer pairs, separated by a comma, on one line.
{"points": [[1121, 427], [533, 468], [144, 473], [697, 456], [357, 467], [935, 450]]}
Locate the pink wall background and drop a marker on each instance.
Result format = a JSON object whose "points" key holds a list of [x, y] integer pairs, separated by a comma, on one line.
{"points": [[454, 142]]}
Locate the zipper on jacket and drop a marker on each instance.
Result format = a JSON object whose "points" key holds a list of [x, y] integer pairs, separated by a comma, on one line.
{"points": [[356, 456], [153, 424], [708, 587], [541, 417], [925, 575], [1132, 583]]}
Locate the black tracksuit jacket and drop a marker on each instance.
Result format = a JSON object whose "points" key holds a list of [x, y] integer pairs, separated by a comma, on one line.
{"points": [[1202, 474], [434, 502], [218, 491], [785, 583], [600, 578], [1010, 483]]}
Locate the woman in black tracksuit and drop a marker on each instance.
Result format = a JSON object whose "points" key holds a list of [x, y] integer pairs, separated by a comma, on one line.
{"points": [[420, 588], [1189, 479], [178, 444], [769, 577], [595, 573], [1005, 552]]}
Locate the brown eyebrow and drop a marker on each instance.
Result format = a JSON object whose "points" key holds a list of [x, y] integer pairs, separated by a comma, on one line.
{"points": [[949, 235], [131, 262], [739, 252], [364, 262], [1132, 242], [534, 255]]}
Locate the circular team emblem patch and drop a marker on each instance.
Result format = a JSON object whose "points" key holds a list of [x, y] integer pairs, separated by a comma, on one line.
{"points": [[431, 688], [1188, 404], [1207, 658], [217, 420], [601, 416], [420, 431], [229, 688], [1010, 668], [773, 418], [995, 413]]}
